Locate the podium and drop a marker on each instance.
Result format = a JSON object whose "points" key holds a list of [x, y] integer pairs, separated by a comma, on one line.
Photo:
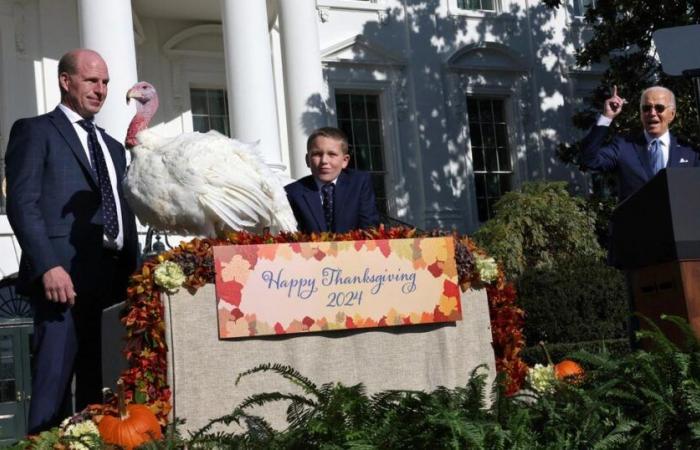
{"points": [[656, 239]]}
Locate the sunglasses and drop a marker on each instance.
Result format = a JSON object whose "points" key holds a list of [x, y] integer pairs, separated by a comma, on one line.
{"points": [[659, 108]]}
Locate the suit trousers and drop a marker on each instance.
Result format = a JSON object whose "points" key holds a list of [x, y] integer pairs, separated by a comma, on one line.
{"points": [[68, 341]]}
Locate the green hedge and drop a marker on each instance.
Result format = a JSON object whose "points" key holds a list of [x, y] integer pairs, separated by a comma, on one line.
{"points": [[538, 226], [578, 300]]}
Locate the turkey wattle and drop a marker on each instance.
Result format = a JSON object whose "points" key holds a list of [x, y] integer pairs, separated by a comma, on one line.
{"points": [[202, 184]]}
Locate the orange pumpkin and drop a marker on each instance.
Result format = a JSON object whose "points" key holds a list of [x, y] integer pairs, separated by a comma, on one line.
{"points": [[135, 425], [568, 370]]}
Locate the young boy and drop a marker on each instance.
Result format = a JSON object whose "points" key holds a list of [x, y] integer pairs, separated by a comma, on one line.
{"points": [[333, 198]]}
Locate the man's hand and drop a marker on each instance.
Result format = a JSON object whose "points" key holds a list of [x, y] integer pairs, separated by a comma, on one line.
{"points": [[58, 287], [613, 106]]}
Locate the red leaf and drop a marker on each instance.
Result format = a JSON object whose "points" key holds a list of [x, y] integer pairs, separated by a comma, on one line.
{"points": [[436, 268], [349, 323], [308, 322], [236, 313], [450, 289], [279, 329], [384, 247]]}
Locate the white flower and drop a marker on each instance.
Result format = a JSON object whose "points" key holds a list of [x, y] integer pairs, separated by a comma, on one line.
{"points": [[169, 276], [86, 430], [542, 378], [487, 269]]}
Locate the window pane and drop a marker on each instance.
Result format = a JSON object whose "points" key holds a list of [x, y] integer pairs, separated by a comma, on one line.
{"points": [[473, 110], [360, 118], [346, 126], [478, 158], [362, 157], [475, 135], [505, 183], [342, 102], [503, 159], [493, 185], [357, 106], [359, 129], [217, 123], [485, 111], [491, 160], [209, 110], [374, 129], [489, 135], [198, 99], [372, 102], [487, 5], [501, 135], [216, 102], [480, 181], [200, 123]]}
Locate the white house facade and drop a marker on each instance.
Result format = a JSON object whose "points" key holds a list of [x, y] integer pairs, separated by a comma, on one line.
{"points": [[449, 103]]}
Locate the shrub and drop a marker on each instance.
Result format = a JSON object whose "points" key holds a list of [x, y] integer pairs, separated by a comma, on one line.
{"points": [[538, 226], [577, 300]]}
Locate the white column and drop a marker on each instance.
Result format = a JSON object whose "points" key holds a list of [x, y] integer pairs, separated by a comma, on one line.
{"points": [[249, 81], [305, 91], [106, 26]]}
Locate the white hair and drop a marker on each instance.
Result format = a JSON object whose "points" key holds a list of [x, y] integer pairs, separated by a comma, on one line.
{"points": [[658, 88]]}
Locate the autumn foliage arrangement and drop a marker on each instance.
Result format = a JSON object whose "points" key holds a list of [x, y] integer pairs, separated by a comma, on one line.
{"points": [[146, 351]]}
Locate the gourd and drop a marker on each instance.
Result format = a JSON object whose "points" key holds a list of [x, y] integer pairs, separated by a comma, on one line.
{"points": [[135, 425]]}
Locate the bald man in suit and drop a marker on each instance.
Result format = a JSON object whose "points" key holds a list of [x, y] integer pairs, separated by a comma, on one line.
{"points": [[77, 234]]}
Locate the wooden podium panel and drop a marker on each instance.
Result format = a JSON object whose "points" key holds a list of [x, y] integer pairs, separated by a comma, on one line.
{"points": [[671, 288], [202, 368]]}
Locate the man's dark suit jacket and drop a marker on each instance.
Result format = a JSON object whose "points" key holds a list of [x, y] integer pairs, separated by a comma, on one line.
{"points": [[355, 205], [629, 157], [54, 206], [55, 209]]}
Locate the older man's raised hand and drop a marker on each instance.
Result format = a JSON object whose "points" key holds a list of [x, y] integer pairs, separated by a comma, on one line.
{"points": [[613, 106]]}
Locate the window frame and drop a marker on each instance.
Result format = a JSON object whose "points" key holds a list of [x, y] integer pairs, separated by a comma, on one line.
{"points": [[455, 10], [382, 124], [225, 116], [508, 121]]}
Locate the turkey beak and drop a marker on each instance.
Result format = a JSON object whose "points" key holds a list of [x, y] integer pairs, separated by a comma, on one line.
{"points": [[133, 93]]}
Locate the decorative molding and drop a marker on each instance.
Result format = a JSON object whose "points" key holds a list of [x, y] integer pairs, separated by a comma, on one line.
{"points": [[139, 34], [503, 59], [366, 52], [323, 13], [401, 100], [176, 45], [18, 12]]}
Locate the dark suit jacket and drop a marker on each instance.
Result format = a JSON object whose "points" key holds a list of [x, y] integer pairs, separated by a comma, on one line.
{"points": [[54, 206], [629, 157], [355, 205]]}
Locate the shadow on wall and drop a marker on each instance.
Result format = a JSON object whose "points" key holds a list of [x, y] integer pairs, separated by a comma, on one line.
{"points": [[433, 138]]}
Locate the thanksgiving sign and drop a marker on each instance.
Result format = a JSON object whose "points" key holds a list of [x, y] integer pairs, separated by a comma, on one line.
{"points": [[319, 286]]}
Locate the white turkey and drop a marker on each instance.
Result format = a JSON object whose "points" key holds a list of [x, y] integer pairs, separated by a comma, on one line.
{"points": [[201, 184]]}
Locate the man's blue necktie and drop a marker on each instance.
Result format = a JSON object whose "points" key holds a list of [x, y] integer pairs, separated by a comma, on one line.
{"points": [[656, 156], [327, 191], [99, 165]]}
